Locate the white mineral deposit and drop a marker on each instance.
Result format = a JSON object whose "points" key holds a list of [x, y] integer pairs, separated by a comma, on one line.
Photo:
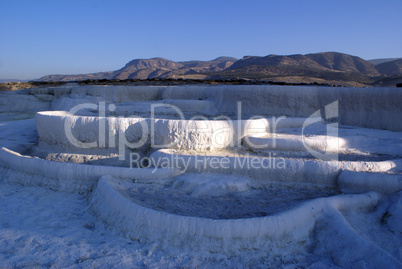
{"points": [[210, 176]]}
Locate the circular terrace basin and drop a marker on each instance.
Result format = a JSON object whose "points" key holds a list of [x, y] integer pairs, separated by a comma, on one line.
{"points": [[218, 196], [151, 213]]}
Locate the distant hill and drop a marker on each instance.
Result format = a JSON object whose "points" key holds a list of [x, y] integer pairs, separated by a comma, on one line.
{"points": [[305, 64], [326, 67], [101, 75], [151, 68], [218, 64], [392, 68], [382, 60], [147, 68]]}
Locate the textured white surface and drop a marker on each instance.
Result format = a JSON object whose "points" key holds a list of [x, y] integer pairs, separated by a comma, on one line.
{"points": [[137, 221], [162, 133], [361, 182], [269, 169], [14, 102], [69, 177], [316, 172], [40, 227], [293, 142], [211, 185], [371, 108]]}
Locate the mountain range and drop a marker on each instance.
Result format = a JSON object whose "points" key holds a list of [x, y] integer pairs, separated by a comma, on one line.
{"points": [[326, 67]]}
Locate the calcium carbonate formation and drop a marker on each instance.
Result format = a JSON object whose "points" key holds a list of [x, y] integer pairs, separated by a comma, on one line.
{"points": [[231, 166]]}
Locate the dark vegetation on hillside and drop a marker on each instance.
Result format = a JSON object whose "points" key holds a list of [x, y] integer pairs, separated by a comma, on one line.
{"points": [[149, 82]]}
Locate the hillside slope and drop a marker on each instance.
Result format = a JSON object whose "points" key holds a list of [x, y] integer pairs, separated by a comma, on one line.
{"points": [[151, 68], [326, 67], [382, 60], [393, 68], [287, 65]]}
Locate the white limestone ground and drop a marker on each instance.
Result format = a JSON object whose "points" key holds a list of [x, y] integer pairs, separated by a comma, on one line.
{"points": [[206, 217]]}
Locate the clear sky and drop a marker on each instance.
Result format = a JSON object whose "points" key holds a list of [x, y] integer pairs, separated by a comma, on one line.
{"points": [[38, 38]]}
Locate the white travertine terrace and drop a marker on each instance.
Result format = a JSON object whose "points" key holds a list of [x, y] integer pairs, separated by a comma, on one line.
{"points": [[166, 133], [70, 176], [140, 222], [269, 120], [377, 108], [294, 142]]}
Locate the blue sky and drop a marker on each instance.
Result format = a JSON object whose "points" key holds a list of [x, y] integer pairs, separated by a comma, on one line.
{"points": [[38, 38]]}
